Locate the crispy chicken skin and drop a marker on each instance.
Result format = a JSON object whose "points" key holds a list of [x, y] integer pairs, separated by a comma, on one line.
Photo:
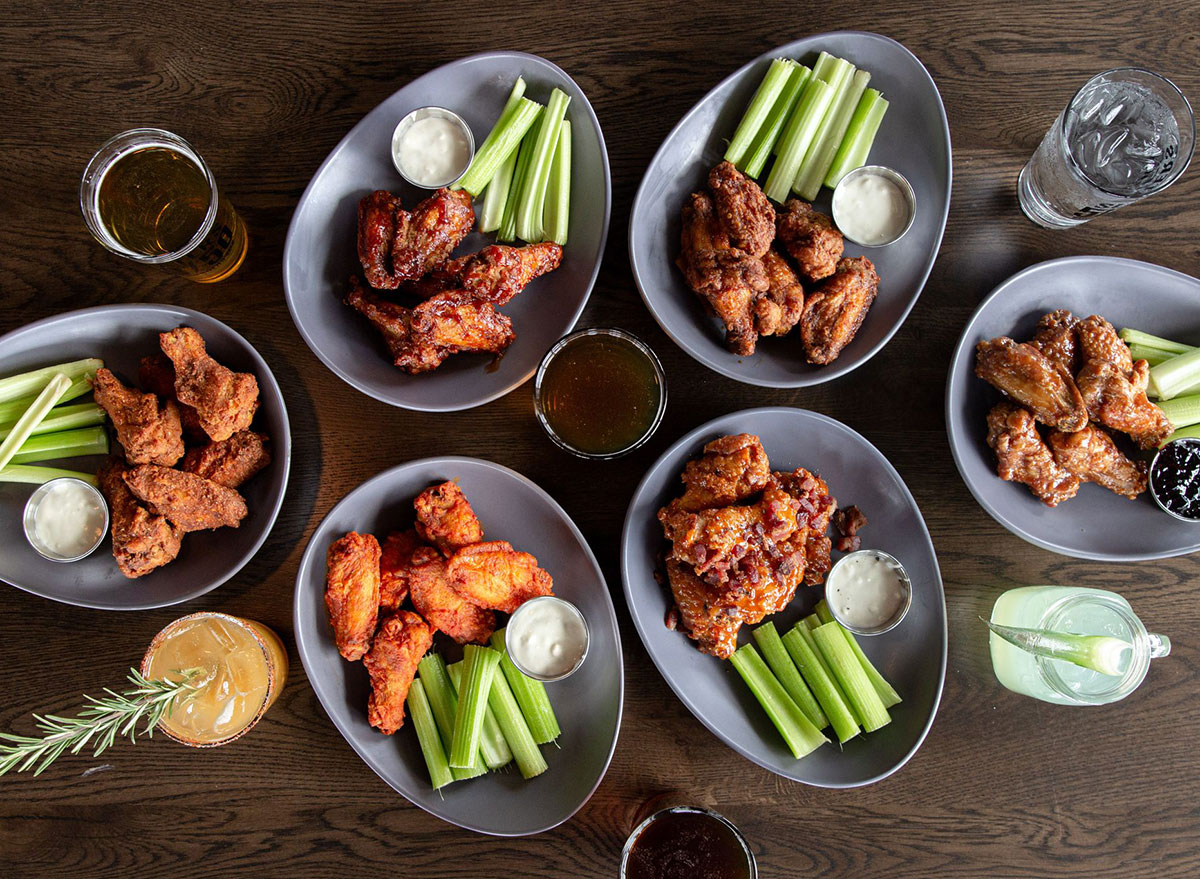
{"points": [[398, 646], [1098, 340], [352, 592], [810, 238], [148, 430], [395, 245], [743, 210], [1022, 456], [141, 540], [445, 518], [1118, 401], [494, 575], [777, 312], [441, 605], [817, 507], [395, 567], [713, 625], [156, 374], [497, 273], [224, 400], [731, 469], [191, 502], [1092, 455], [229, 462], [835, 310], [1024, 374], [1058, 338]]}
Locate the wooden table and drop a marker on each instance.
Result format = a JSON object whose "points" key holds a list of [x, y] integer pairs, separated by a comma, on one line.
{"points": [[1003, 786]]}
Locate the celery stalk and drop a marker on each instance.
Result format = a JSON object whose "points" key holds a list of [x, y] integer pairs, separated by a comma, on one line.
{"points": [[1175, 376], [1102, 653], [11, 411], [492, 746], [1153, 356], [837, 72], [427, 735], [759, 109], [886, 692], [520, 741], [31, 383], [432, 672], [64, 418], [508, 225], [768, 641], [820, 155], [1182, 411], [557, 216], [808, 661], [1192, 432], [768, 135], [479, 666], [823, 613], [860, 135], [531, 204], [34, 415], [864, 701], [800, 735], [499, 144], [64, 444], [530, 695], [798, 136], [495, 198], [38, 475], [1137, 337]]}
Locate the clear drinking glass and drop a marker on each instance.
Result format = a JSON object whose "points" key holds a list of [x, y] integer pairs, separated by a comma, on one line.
{"points": [[1127, 134]]}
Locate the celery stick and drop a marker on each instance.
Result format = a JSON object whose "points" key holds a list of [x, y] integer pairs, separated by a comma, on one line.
{"points": [[1182, 411], [427, 734], [1175, 376], [1137, 337], [64, 444], [432, 672], [11, 411], [760, 108], [860, 135], [64, 418], [530, 695], [531, 205], [800, 735], [31, 383], [768, 641], [837, 72], [508, 225], [501, 700], [797, 137], [38, 475], [1153, 356], [887, 694], [496, 196], [768, 135], [823, 613], [16, 435], [1192, 432], [492, 746], [820, 155], [479, 666], [557, 216], [808, 661], [1102, 653], [864, 701], [503, 139]]}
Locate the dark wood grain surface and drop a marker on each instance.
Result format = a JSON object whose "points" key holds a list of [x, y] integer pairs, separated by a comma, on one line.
{"points": [[1003, 786]]}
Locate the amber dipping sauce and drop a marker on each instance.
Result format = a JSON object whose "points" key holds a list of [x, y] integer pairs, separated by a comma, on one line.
{"points": [[687, 843], [600, 393]]}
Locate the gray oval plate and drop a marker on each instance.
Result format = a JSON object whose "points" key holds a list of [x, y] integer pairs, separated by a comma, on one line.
{"points": [[912, 656], [588, 704], [1095, 524], [321, 254], [122, 335], [914, 139]]}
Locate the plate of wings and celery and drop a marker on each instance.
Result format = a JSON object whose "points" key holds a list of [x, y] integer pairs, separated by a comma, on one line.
{"points": [[1068, 378], [403, 602], [730, 545], [443, 299], [737, 255], [179, 423]]}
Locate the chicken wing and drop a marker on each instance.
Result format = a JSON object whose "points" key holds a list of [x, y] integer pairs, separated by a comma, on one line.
{"points": [[817, 507], [352, 592], [835, 310], [731, 469], [191, 502], [497, 273], [1025, 374], [224, 400], [148, 430], [1058, 338], [395, 245], [712, 624], [398, 646], [743, 210], [1022, 456], [1118, 401], [141, 540], [446, 610], [445, 518], [1098, 340], [156, 374], [810, 238], [232, 461], [1091, 455], [395, 567], [780, 309], [494, 575]]}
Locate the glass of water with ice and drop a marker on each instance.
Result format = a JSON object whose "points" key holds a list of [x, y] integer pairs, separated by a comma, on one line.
{"points": [[1128, 133]]}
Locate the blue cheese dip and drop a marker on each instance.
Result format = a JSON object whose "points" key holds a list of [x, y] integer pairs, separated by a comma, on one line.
{"points": [[547, 638], [868, 591]]}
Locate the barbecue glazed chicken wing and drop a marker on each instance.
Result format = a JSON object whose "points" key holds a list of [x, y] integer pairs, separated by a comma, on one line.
{"points": [[731, 469], [395, 245], [1114, 387], [148, 430], [835, 310], [708, 621], [398, 646], [352, 592], [1058, 338], [225, 401], [437, 601], [494, 575], [1092, 455], [445, 518], [1022, 456], [495, 274], [191, 502], [810, 238], [742, 209], [229, 462], [1024, 374], [141, 540]]}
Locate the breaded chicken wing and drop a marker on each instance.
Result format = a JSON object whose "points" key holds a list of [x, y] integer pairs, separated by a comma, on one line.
{"points": [[835, 310], [229, 462], [1058, 338], [1118, 401], [395, 567], [156, 374], [731, 469], [1022, 456], [497, 273], [1027, 376], [141, 540], [1091, 455], [445, 518], [712, 624], [224, 400], [743, 210], [395, 245], [352, 592], [191, 502], [444, 608], [494, 575], [780, 309], [398, 646], [148, 430], [810, 238]]}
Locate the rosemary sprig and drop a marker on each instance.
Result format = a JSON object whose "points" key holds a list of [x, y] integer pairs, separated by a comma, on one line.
{"points": [[102, 719]]}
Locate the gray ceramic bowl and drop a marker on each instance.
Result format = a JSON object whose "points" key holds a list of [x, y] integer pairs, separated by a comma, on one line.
{"points": [[588, 704], [121, 335], [1095, 524], [912, 657], [914, 139], [320, 253]]}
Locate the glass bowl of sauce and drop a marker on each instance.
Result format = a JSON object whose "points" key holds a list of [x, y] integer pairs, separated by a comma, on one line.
{"points": [[600, 393], [432, 147], [874, 206], [687, 842], [868, 592], [1175, 479], [547, 638], [65, 519]]}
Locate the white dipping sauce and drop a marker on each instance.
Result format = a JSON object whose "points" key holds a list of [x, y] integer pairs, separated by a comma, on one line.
{"points": [[546, 637], [433, 151], [865, 590], [68, 520], [870, 209]]}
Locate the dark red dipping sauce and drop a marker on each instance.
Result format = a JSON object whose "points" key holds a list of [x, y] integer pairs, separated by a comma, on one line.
{"points": [[1175, 478], [688, 844]]}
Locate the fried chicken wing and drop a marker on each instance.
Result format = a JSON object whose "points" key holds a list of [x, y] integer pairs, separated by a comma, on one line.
{"points": [[445, 518], [398, 646], [352, 592], [1091, 455], [191, 502], [395, 567], [494, 575], [1026, 375], [816, 509], [731, 469], [743, 210], [835, 310], [497, 273], [712, 624], [148, 429], [1118, 401], [1058, 338], [780, 309], [444, 608], [156, 374], [395, 245], [141, 540], [232, 461], [1098, 340], [224, 400], [1022, 456], [810, 238]]}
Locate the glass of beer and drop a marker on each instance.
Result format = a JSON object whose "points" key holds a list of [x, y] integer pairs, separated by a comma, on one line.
{"points": [[148, 196]]}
